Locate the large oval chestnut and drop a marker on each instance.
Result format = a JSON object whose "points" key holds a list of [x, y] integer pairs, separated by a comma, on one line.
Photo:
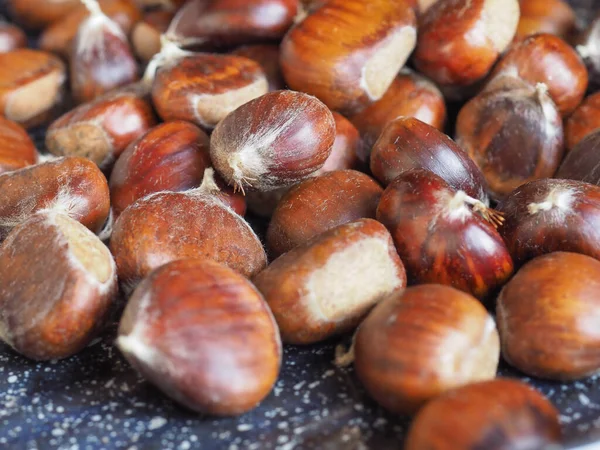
{"points": [[583, 162]]}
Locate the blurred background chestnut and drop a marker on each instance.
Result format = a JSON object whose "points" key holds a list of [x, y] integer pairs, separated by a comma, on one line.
{"points": [[583, 162]]}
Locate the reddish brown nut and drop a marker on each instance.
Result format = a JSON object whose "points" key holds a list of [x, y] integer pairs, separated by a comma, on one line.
{"points": [[167, 226], [227, 23], [460, 40], [583, 121], [551, 215], [274, 141], [423, 341], [31, 86], [17, 150], [409, 95], [57, 284], [327, 286], [74, 186], [424, 5], [348, 52], [215, 185], [320, 204], [547, 59], [102, 129], [494, 415], [204, 88], [408, 143], [146, 34], [548, 315], [11, 37], [545, 16], [588, 47], [170, 157], [583, 162], [443, 235], [164, 5], [267, 55], [58, 38], [37, 14], [344, 153], [513, 132], [204, 335]]}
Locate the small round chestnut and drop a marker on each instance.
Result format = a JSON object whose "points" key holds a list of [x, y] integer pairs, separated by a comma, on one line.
{"points": [[499, 414], [204, 335], [584, 120], [545, 16], [583, 162], [443, 235], [549, 315], [423, 341]]}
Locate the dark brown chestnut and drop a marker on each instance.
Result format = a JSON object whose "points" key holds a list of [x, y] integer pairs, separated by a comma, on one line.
{"points": [[267, 55], [584, 120], [583, 162], [588, 47]]}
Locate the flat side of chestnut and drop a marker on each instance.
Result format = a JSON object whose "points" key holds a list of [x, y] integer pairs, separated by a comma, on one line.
{"points": [[17, 150], [582, 163]]}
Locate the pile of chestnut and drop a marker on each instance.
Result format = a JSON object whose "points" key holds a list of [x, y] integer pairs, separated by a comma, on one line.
{"points": [[307, 115]]}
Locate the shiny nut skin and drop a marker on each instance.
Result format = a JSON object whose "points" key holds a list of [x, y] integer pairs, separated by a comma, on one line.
{"points": [[31, 86], [403, 348], [204, 88], [545, 58], [319, 204], [74, 186], [584, 120], [57, 284], [493, 415], [460, 40], [204, 335], [170, 157], [548, 317], [513, 132], [409, 95], [545, 16], [440, 238], [17, 150], [11, 37], [274, 141], [327, 286], [551, 215], [348, 52], [168, 226], [582, 163], [407, 143], [344, 153], [145, 36], [213, 184], [37, 14], [101, 129], [267, 55]]}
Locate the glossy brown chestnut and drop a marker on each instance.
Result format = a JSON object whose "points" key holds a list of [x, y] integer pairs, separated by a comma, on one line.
{"points": [[584, 120], [146, 34], [583, 162], [274, 141], [407, 144], [547, 59], [551, 215], [420, 342], [267, 55], [204, 88], [167, 226], [320, 204], [443, 235], [348, 52], [17, 150], [513, 132], [37, 14], [409, 95], [57, 284], [548, 316], [31, 85], [588, 47], [11, 37], [327, 286], [344, 153], [102, 129], [73, 186], [460, 40], [204, 335], [492, 415], [545, 16], [215, 185]]}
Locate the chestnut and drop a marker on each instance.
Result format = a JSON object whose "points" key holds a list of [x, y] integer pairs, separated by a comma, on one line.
{"points": [[548, 317], [37, 14], [263, 204], [589, 49], [146, 34], [513, 132], [203, 88], [320, 204], [423, 341], [57, 284], [204, 335], [460, 40], [409, 95], [551, 215], [545, 58], [11, 37], [213, 184], [17, 150], [327, 286], [345, 149], [73, 186], [273, 141], [267, 55], [493, 415], [167, 226], [582, 163], [584, 120], [407, 143], [545, 16], [101, 129], [443, 235], [348, 52]]}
